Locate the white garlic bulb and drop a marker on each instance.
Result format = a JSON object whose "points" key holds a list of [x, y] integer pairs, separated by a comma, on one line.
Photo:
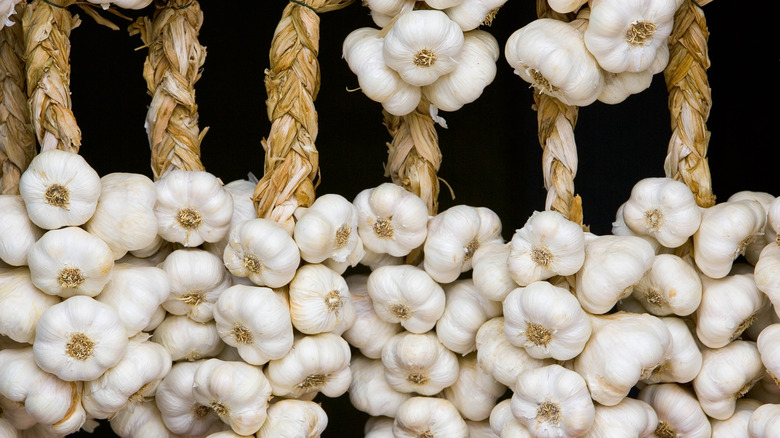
{"points": [[470, 14], [369, 333], [378, 427], [320, 301], [475, 392], [764, 421], [736, 425], [465, 311], [429, 415], [136, 293], [407, 295], [490, 272], [480, 429], [197, 280], [769, 349], [629, 418], [21, 305], [664, 209], [292, 419], [498, 357], [618, 86], [187, 339], [70, 261], [139, 421], [15, 414], [619, 228], [504, 424], [17, 232], [552, 401], [546, 320], [685, 360], [263, 251], [327, 230], [369, 391], [180, 412], [671, 286], [256, 321], [678, 411], [59, 189], [391, 220], [7, 429], [547, 245], [192, 207], [767, 274], [729, 305], [79, 339], [241, 191], [418, 363]]}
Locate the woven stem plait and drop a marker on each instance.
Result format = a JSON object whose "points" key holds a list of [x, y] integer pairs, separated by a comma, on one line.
{"points": [[690, 100], [171, 69], [17, 139]]}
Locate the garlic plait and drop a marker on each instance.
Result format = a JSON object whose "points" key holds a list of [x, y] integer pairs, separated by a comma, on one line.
{"points": [[294, 418], [419, 363], [421, 416], [407, 295], [320, 301], [197, 279], [21, 305], [261, 250], [465, 311], [17, 232], [369, 333]]}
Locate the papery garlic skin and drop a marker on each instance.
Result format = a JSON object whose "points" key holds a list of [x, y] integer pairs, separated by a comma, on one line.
{"points": [[236, 391], [391, 220], [327, 229], [21, 305], [197, 279], [255, 321], [136, 293], [418, 363], [263, 251], [369, 391], [59, 189], [671, 286], [180, 412], [475, 392], [369, 332], [498, 357], [729, 305], [69, 262], [736, 425], [629, 418], [547, 245], [546, 320], [407, 295], [187, 339], [320, 301], [293, 419], [465, 311], [678, 411], [17, 232], [765, 421], [552, 401], [664, 209], [79, 339], [192, 207], [429, 415]]}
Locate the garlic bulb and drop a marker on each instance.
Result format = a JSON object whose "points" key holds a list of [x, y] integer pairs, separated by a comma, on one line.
{"points": [[498, 357], [435, 417], [546, 320], [327, 230], [619, 228], [764, 421], [59, 189], [263, 251], [504, 424], [131, 381], [126, 4], [623, 349], [629, 418], [552, 401], [566, 6], [736, 425], [187, 339], [69, 262], [136, 293], [369, 391], [139, 421], [374, 260], [320, 301], [613, 265], [124, 217], [241, 191], [7, 429], [418, 363], [726, 230], [685, 360], [21, 305], [453, 237], [236, 391], [475, 392], [316, 363], [407, 295], [490, 272], [769, 349], [727, 374], [15, 414], [192, 207], [369, 333], [378, 427], [678, 411], [293, 419], [79, 339], [618, 86], [180, 412], [465, 311], [547, 245], [255, 321], [197, 279], [664, 209], [671, 286], [391, 220], [551, 56], [470, 14], [480, 429], [17, 232], [767, 274], [728, 306]]}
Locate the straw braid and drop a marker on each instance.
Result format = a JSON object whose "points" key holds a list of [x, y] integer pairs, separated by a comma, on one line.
{"points": [[47, 50], [556, 122], [171, 69], [17, 139], [292, 83], [414, 156], [690, 100]]}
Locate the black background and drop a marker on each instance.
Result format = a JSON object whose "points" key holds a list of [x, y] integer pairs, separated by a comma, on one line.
{"points": [[492, 157]]}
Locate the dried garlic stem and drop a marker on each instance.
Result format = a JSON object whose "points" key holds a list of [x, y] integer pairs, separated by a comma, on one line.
{"points": [[17, 138], [690, 100], [414, 155], [171, 69], [47, 50]]}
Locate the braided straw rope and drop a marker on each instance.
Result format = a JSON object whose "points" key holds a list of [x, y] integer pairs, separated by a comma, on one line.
{"points": [[171, 69], [556, 122], [292, 83], [47, 50], [690, 100], [414, 155], [17, 139]]}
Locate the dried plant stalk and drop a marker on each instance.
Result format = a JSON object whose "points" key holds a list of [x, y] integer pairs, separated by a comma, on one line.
{"points": [[690, 100], [171, 69], [414, 155], [17, 139], [47, 50], [292, 83]]}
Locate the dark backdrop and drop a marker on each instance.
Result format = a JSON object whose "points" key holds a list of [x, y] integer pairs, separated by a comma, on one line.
{"points": [[492, 157]]}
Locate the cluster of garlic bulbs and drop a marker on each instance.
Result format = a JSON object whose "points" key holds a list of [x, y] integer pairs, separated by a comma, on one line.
{"points": [[609, 52]]}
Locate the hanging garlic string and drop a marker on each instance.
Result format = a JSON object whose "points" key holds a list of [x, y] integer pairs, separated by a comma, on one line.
{"points": [[171, 69], [414, 156], [690, 100], [47, 28], [292, 83], [17, 139]]}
